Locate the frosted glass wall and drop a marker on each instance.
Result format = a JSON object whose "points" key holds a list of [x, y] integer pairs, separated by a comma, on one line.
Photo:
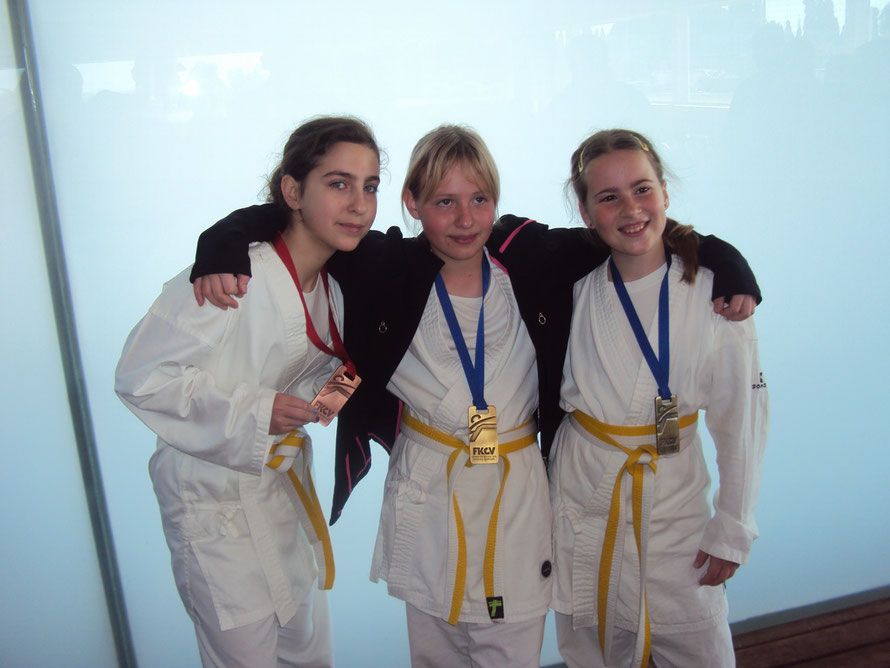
{"points": [[163, 116], [52, 606]]}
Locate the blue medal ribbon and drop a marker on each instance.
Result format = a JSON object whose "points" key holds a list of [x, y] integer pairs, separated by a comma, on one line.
{"points": [[475, 374], [661, 365]]}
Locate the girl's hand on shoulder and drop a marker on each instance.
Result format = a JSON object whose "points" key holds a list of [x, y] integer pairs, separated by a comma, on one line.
{"points": [[220, 289], [737, 308], [719, 570], [289, 413]]}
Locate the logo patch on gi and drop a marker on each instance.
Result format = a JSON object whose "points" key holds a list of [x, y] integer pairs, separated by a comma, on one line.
{"points": [[495, 607]]}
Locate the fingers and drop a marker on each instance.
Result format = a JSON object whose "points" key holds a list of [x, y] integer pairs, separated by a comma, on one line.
{"points": [[719, 570], [198, 289], [218, 288], [211, 288], [741, 307], [243, 280], [226, 287], [748, 305], [289, 413], [737, 308], [700, 559], [712, 576]]}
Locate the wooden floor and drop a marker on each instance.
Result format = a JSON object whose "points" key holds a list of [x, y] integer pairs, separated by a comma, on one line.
{"points": [[848, 632], [854, 636]]}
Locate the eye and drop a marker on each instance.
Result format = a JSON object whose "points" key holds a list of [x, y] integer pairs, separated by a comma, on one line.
{"points": [[338, 185], [642, 190], [372, 188], [480, 199], [606, 198], [444, 202]]}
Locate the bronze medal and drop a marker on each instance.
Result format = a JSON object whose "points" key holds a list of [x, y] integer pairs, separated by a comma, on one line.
{"points": [[342, 383], [483, 439], [667, 426], [335, 393]]}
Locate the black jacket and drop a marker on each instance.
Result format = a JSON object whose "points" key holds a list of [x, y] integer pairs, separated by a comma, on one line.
{"points": [[386, 282]]}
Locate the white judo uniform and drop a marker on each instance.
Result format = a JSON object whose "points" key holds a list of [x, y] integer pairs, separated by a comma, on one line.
{"points": [[714, 366], [419, 543], [204, 380]]}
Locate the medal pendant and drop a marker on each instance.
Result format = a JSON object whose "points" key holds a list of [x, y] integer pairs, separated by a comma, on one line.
{"points": [[667, 426], [335, 393], [483, 440]]}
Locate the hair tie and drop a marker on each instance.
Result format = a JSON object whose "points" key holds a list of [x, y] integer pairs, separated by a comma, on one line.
{"points": [[641, 143], [581, 161]]}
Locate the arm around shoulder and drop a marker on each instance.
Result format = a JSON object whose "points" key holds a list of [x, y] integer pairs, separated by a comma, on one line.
{"points": [[568, 251], [732, 274], [222, 248]]}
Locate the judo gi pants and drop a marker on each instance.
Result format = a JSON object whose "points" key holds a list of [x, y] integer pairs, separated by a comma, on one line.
{"points": [[435, 643], [708, 648], [304, 641]]}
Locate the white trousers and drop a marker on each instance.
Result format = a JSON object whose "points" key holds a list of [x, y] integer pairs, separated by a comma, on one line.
{"points": [[435, 643], [708, 648], [305, 641]]}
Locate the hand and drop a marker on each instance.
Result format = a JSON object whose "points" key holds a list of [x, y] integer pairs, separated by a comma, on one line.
{"points": [[738, 308], [719, 570], [289, 412], [220, 289]]}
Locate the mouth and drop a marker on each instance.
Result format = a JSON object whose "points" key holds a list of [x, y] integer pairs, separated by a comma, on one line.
{"points": [[634, 229], [352, 228], [464, 239]]}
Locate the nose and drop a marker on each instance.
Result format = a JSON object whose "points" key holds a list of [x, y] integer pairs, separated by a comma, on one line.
{"points": [[463, 217], [359, 201], [629, 206]]}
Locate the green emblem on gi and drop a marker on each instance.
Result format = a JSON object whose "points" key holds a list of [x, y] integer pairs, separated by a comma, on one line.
{"points": [[495, 606]]}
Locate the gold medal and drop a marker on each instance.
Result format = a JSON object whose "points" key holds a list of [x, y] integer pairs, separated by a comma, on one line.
{"points": [[483, 439], [335, 393], [667, 426]]}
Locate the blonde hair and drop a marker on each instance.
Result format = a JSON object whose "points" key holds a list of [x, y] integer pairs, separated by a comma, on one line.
{"points": [[441, 149]]}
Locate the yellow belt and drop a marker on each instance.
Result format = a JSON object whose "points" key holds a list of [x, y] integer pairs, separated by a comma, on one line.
{"points": [[638, 459], [316, 525], [526, 436]]}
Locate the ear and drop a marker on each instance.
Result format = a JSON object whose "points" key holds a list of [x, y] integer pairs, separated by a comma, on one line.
{"points": [[588, 220], [667, 200], [290, 190], [411, 204]]}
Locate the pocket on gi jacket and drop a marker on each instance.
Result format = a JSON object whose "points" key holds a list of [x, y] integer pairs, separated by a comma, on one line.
{"points": [[222, 545]]}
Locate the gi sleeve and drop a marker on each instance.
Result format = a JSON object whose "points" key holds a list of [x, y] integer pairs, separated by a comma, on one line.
{"points": [[737, 418], [164, 376], [222, 248]]}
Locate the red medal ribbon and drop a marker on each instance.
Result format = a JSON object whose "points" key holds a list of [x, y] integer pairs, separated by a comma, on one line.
{"points": [[339, 349]]}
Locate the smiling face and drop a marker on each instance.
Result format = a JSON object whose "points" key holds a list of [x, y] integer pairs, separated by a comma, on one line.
{"points": [[457, 216], [626, 204], [335, 203]]}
